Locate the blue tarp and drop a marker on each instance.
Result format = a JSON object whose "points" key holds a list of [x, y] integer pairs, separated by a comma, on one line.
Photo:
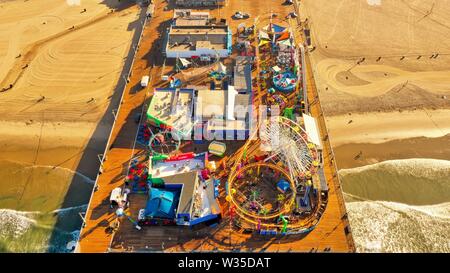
{"points": [[229, 41], [304, 202], [161, 203], [176, 83]]}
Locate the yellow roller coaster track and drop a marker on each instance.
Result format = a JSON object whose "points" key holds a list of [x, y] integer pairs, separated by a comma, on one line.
{"points": [[257, 220]]}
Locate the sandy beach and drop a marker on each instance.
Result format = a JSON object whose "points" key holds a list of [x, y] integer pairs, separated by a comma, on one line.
{"points": [[383, 127], [383, 73], [379, 77], [59, 67]]}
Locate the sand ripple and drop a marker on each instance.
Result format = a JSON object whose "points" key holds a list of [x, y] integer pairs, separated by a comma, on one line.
{"points": [[379, 79]]}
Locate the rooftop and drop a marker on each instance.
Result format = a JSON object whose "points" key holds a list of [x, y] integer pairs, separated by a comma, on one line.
{"points": [[186, 17], [189, 37], [199, 3], [243, 74], [189, 182], [216, 104], [173, 108], [220, 125], [162, 169]]}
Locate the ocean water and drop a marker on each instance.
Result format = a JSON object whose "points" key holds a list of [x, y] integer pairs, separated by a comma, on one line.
{"points": [[40, 206], [393, 206], [31, 231], [399, 205]]}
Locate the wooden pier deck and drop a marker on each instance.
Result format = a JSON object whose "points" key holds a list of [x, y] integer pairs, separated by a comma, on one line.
{"points": [[94, 236], [330, 233]]}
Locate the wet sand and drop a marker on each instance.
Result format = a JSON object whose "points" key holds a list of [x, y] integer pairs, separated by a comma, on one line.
{"points": [[383, 73], [357, 155]]}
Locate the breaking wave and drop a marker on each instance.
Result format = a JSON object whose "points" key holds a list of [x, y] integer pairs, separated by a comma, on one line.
{"points": [[30, 231], [409, 181], [40, 205], [14, 223], [399, 205], [84, 177], [380, 226]]}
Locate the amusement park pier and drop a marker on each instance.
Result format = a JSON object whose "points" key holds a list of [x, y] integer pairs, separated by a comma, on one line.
{"points": [[101, 231]]}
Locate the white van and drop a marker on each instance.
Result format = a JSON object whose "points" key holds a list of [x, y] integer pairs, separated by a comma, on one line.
{"points": [[144, 81]]}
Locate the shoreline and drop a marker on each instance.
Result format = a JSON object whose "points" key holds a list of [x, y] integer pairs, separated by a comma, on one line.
{"points": [[375, 128], [385, 98], [419, 147], [55, 120]]}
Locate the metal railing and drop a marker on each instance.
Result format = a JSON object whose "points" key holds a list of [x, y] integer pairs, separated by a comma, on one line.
{"points": [[125, 77], [334, 168]]}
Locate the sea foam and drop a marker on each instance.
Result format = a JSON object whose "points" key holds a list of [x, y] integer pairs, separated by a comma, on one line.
{"points": [[14, 223], [399, 205], [380, 226]]}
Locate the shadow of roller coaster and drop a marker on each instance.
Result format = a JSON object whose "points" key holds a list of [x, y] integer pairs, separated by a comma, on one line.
{"points": [[288, 156]]}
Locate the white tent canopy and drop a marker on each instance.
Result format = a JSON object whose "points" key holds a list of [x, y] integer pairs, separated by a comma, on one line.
{"points": [[312, 130], [185, 62], [263, 35], [286, 42], [221, 68]]}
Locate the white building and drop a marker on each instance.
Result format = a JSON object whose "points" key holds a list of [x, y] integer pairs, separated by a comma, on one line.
{"points": [[222, 114], [198, 41]]}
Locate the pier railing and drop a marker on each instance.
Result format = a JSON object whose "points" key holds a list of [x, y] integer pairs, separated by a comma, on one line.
{"points": [[125, 75], [324, 130]]}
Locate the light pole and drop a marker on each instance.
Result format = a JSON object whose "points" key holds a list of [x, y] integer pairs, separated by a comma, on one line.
{"points": [[114, 113]]}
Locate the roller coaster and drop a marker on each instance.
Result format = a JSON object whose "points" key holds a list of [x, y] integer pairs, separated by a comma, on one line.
{"points": [[281, 153]]}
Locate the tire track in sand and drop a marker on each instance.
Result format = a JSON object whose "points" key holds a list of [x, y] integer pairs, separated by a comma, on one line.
{"points": [[17, 70]]}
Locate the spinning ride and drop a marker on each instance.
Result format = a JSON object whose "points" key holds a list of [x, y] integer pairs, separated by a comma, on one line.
{"points": [[164, 143], [285, 82]]}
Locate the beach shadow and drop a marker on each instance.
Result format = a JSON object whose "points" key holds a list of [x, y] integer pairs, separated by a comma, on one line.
{"points": [[128, 130], [88, 163], [154, 56], [118, 5]]}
